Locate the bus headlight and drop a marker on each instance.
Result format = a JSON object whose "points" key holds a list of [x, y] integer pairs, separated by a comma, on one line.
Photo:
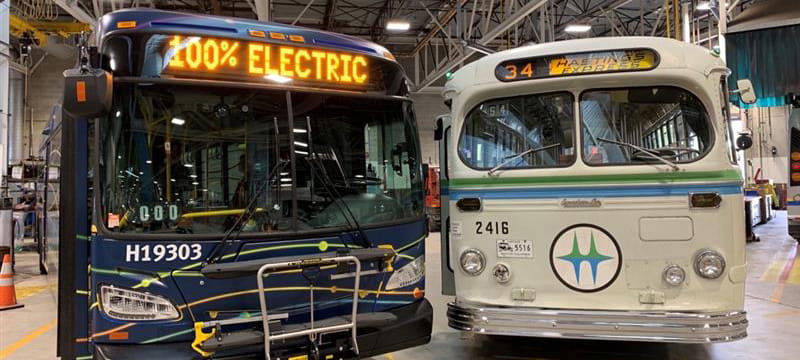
{"points": [[407, 274], [473, 262], [709, 264], [674, 275], [126, 304]]}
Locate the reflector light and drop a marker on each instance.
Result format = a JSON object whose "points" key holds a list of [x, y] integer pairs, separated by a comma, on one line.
{"points": [[277, 36], [297, 38], [125, 304], [257, 33], [126, 24], [469, 204]]}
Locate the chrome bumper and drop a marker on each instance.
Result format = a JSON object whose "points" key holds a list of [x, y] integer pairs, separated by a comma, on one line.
{"points": [[678, 327]]}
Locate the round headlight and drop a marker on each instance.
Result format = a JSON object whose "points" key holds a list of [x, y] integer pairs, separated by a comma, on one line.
{"points": [[709, 264], [473, 262], [674, 275], [501, 273]]}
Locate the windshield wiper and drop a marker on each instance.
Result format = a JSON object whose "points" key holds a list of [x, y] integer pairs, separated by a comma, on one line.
{"points": [[250, 209], [651, 154], [244, 217], [517, 156]]}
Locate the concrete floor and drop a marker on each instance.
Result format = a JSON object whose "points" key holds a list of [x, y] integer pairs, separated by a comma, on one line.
{"points": [[773, 305]]}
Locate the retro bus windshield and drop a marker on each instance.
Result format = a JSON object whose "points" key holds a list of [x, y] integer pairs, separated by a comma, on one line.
{"points": [[191, 159]]}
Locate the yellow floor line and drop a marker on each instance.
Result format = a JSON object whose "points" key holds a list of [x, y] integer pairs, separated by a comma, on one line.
{"points": [[28, 291], [783, 314], [794, 275], [773, 272], [8, 350]]}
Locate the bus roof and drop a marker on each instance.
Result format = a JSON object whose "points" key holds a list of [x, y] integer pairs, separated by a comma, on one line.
{"points": [[672, 54], [160, 21]]}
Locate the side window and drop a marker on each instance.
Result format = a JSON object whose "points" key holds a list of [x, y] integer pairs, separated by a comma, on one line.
{"points": [[539, 126]]}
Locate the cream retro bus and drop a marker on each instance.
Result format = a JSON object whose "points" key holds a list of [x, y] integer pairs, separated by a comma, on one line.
{"points": [[589, 191]]}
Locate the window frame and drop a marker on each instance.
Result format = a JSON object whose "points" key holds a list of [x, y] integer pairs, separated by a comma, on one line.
{"points": [[709, 121], [505, 168]]}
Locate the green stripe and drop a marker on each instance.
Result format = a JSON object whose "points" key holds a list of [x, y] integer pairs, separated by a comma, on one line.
{"points": [[668, 177], [87, 357], [167, 336]]}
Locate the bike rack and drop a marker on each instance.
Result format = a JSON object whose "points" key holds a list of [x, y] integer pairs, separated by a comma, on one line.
{"points": [[312, 331]]}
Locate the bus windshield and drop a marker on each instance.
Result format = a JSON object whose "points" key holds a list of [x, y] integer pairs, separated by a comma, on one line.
{"points": [[192, 159], [640, 125], [519, 132]]}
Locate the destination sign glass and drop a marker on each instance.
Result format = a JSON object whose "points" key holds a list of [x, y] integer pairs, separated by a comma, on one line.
{"points": [[254, 61], [577, 64]]}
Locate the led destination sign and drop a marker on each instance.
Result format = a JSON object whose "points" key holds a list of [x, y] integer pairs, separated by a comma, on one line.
{"points": [[576, 64], [199, 56]]}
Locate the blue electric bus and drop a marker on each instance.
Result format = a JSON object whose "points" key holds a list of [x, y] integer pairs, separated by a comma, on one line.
{"points": [[238, 189]]}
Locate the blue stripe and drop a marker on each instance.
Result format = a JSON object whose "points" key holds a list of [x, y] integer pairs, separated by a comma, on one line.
{"points": [[595, 192], [793, 203]]}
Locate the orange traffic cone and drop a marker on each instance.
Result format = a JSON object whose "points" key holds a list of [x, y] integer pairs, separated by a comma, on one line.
{"points": [[8, 296]]}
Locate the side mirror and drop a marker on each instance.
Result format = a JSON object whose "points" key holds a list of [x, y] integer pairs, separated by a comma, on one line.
{"points": [[87, 93], [744, 142], [746, 92], [438, 132]]}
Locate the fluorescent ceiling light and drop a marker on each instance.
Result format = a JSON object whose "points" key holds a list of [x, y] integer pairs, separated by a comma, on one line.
{"points": [[704, 5], [577, 28], [398, 25], [278, 79], [299, 131], [178, 121], [300, 144]]}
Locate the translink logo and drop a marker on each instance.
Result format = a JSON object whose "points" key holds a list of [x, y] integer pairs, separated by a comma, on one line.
{"points": [[585, 248], [593, 257]]}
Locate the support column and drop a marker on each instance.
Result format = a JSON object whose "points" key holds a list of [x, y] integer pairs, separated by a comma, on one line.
{"points": [[5, 59], [723, 27], [686, 22]]}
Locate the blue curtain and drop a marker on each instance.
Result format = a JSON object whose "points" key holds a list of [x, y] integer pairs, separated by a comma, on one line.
{"points": [[770, 58]]}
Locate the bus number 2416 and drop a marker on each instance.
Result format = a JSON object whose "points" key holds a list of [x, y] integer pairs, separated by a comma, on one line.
{"points": [[168, 252]]}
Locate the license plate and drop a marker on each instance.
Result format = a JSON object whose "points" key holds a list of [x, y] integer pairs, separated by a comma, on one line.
{"points": [[514, 248]]}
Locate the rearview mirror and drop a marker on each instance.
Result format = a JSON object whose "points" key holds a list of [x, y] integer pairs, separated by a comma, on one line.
{"points": [[438, 132], [87, 92], [746, 92]]}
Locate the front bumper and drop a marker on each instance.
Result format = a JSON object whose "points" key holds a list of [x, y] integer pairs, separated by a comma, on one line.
{"points": [[678, 327], [413, 328]]}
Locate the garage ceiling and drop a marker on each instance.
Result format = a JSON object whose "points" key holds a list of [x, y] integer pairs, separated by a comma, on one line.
{"points": [[443, 33]]}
